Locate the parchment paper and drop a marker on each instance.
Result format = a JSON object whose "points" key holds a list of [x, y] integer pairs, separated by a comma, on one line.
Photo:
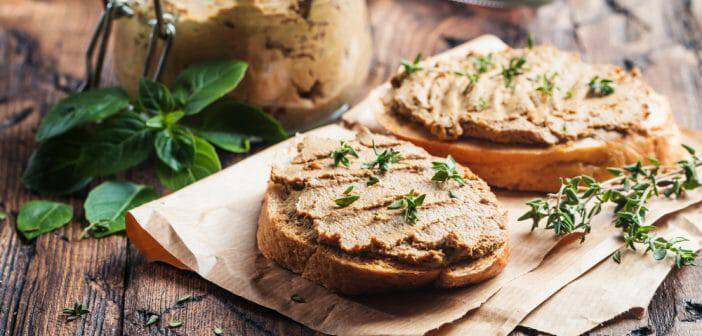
{"points": [[612, 289], [209, 227]]}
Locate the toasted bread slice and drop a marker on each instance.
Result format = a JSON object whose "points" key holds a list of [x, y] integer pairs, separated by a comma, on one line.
{"points": [[295, 242], [533, 168]]}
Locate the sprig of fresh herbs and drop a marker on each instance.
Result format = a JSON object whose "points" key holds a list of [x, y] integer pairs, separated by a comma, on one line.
{"points": [[412, 67], [514, 69], [101, 132], [547, 83], [447, 170], [340, 154], [581, 198], [600, 87], [384, 159], [73, 313], [410, 204], [482, 63]]}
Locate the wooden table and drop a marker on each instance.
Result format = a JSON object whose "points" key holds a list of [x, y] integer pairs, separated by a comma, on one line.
{"points": [[41, 49]]}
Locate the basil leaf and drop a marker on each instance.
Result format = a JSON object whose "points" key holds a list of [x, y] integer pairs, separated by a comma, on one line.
{"points": [[206, 162], [118, 144], [175, 147], [57, 166], [154, 97], [239, 118], [200, 85], [38, 217], [231, 142], [107, 204], [81, 108]]}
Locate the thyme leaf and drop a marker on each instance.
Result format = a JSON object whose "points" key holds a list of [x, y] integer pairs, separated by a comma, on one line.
{"points": [[600, 87], [414, 66], [340, 154], [514, 69], [483, 63], [75, 312], [548, 84], [410, 204], [447, 170], [384, 159]]}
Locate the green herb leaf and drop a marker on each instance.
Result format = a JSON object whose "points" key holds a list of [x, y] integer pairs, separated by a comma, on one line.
{"points": [[117, 144], [230, 142], [175, 147], [384, 159], [483, 63], [346, 200], [410, 203], [74, 312], [57, 167], [600, 87], [514, 69], [447, 171], [348, 190], [372, 180], [548, 84], [107, 204], [530, 41], [340, 154], [205, 163], [154, 97], [412, 67], [153, 318], [38, 217], [297, 298], [617, 256], [175, 324], [239, 121], [81, 108], [218, 331], [186, 298], [452, 194], [200, 85]]}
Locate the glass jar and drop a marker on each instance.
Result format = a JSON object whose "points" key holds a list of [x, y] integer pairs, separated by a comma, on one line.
{"points": [[307, 58]]}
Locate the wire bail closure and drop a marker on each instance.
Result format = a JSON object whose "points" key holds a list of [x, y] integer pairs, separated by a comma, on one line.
{"points": [[163, 28]]}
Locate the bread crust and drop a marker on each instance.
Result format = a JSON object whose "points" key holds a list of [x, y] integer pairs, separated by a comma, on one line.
{"points": [[534, 168], [353, 275]]}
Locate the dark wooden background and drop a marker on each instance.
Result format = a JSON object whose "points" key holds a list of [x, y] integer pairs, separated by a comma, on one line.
{"points": [[41, 48]]}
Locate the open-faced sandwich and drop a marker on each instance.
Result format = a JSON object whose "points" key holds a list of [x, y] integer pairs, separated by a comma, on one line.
{"points": [[377, 214], [524, 118]]}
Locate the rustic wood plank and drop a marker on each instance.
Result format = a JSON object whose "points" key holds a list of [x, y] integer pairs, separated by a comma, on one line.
{"points": [[39, 48]]}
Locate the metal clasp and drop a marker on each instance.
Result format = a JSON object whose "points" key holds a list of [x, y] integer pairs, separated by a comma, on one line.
{"points": [[163, 28]]}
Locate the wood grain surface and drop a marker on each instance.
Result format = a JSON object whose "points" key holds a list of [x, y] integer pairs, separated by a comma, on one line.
{"points": [[41, 48]]}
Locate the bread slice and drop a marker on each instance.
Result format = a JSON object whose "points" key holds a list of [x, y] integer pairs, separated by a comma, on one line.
{"points": [[297, 243], [519, 165], [531, 168]]}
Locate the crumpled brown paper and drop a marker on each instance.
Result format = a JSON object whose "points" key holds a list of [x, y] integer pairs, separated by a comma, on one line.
{"points": [[210, 226]]}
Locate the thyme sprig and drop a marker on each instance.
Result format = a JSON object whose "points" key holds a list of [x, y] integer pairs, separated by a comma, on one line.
{"points": [[548, 83], [414, 66], [483, 63], [410, 203], [384, 159], [447, 170], [75, 312], [581, 198], [514, 69], [340, 154], [600, 87]]}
